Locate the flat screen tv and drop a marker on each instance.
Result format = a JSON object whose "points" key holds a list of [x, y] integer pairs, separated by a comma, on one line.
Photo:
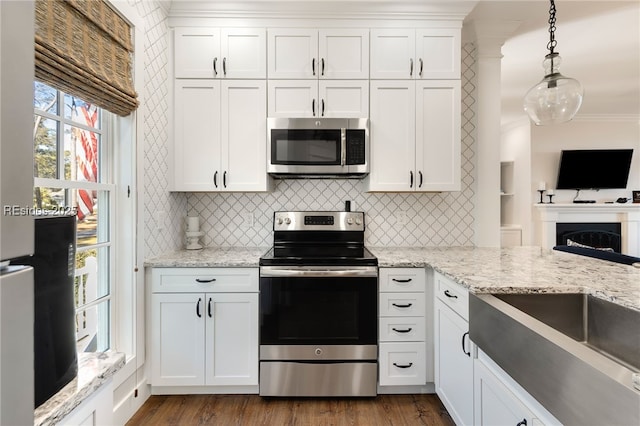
{"points": [[594, 169]]}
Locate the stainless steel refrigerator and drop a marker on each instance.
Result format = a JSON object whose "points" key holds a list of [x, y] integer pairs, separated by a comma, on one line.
{"points": [[16, 224]]}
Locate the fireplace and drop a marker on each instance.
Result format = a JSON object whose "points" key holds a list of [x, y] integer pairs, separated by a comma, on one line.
{"points": [[596, 217], [598, 234]]}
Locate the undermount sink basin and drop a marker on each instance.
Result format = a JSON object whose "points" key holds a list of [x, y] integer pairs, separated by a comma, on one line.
{"points": [[603, 326], [578, 355]]}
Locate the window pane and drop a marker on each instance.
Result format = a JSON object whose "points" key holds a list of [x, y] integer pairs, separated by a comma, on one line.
{"points": [[91, 276], [81, 152], [45, 97], [45, 148], [93, 220], [92, 328], [53, 199], [81, 112]]}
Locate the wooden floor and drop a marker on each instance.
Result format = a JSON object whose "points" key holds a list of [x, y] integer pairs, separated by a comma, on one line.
{"points": [[252, 410]]}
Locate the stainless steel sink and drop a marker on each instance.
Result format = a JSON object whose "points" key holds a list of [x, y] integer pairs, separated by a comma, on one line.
{"points": [[576, 354]]}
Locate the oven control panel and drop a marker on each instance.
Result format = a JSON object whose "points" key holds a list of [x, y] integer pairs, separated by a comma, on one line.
{"points": [[318, 221]]}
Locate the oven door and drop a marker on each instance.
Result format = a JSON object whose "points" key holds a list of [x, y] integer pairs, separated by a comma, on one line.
{"points": [[318, 306]]}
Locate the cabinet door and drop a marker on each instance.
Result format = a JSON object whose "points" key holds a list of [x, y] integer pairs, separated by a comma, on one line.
{"points": [[453, 364], [177, 339], [292, 53], [197, 135], [393, 54], [343, 53], [243, 52], [344, 98], [232, 339], [195, 51], [495, 405], [438, 135], [392, 137], [293, 98], [438, 53], [244, 155]]}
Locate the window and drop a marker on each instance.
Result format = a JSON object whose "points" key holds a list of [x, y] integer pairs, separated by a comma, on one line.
{"points": [[73, 170]]}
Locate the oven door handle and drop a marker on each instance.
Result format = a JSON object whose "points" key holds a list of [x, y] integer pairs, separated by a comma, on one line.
{"points": [[330, 271]]}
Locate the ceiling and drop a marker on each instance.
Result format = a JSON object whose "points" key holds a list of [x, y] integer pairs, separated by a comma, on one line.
{"points": [[599, 42]]}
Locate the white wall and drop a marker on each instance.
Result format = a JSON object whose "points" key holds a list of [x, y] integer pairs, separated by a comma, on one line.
{"points": [[548, 141]]}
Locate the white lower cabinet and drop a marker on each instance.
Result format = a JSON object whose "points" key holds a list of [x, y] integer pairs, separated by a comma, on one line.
{"points": [[202, 334], [453, 351], [401, 328], [93, 411]]}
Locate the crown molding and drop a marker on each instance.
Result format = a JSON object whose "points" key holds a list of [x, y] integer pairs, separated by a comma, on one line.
{"points": [[627, 118]]}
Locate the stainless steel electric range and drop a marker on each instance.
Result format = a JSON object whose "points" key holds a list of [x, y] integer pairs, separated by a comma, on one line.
{"points": [[318, 307]]}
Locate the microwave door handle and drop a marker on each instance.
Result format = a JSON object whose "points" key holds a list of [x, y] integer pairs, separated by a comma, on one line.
{"points": [[343, 144]]}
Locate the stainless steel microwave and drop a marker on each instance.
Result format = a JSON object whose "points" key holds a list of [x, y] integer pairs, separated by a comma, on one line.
{"points": [[318, 147]]}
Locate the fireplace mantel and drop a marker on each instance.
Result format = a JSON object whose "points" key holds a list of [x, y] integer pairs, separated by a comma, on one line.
{"points": [[628, 215]]}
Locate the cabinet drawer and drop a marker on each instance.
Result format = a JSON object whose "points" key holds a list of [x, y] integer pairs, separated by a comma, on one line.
{"points": [[452, 294], [402, 279], [402, 364], [402, 304], [404, 329], [216, 280]]}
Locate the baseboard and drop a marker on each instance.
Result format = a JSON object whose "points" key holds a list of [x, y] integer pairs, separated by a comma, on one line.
{"points": [[124, 409], [400, 390]]}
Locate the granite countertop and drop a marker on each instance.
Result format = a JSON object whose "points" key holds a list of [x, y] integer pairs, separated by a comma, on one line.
{"points": [[94, 369], [522, 270], [209, 257]]}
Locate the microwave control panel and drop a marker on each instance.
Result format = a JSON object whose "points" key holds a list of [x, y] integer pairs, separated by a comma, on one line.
{"points": [[356, 146]]}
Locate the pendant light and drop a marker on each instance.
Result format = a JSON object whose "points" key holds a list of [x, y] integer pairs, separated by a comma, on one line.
{"points": [[556, 99]]}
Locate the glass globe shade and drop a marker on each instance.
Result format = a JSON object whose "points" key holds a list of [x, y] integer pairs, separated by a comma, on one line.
{"points": [[556, 99]]}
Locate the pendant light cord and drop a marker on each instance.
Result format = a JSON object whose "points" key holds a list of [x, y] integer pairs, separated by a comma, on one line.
{"points": [[552, 28]]}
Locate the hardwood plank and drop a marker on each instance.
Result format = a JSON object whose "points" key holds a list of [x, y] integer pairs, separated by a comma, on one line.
{"points": [[240, 410]]}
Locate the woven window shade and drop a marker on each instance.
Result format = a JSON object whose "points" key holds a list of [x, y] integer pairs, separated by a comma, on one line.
{"points": [[83, 47]]}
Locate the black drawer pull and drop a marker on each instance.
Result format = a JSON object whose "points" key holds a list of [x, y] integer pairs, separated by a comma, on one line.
{"points": [[522, 423], [408, 305], [467, 353], [406, 330], [408, 280], [200, 280], [403, 366], [453, 296]]}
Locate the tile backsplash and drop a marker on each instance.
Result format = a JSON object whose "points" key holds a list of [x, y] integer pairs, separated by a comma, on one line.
{"points": [[393, 219]]}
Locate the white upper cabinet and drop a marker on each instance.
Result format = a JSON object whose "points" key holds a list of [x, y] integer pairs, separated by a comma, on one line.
{"points": [[415, 54], [313, 98], [220, 53], [295, 53], [415, 136]]}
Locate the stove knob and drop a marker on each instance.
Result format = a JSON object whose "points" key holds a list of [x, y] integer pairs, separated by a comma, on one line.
{"points": [[358, 221], [287, 221], [349, 221], [279, 221]]}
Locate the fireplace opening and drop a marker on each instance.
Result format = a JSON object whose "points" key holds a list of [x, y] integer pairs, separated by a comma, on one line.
{"points": [[599, 234]]}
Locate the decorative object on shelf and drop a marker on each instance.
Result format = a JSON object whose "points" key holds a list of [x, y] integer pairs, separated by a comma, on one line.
{"points": [[550, 194], [542, 186], [193, 233], [556, 99], [636, 196]]}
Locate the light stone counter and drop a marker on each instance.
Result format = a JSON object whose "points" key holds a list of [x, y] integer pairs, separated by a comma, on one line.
{"points": [[94, 369], [209, 257], [522, 270]]}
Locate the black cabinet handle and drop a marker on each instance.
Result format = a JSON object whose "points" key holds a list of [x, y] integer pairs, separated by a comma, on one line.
{"points": [[224, 179], [406, 330], [215, 179], [411, 67], [408, 280], [453, 296], [411, 179], [420, 175], [209, 309], [403, 365], [522, 423], [421, 66], [313, 107], [463, 348], [322, 65], [313, 66], [198, 308], [224, 66], [322, 115], [201, 280], [408, 305], [215, 69]]}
